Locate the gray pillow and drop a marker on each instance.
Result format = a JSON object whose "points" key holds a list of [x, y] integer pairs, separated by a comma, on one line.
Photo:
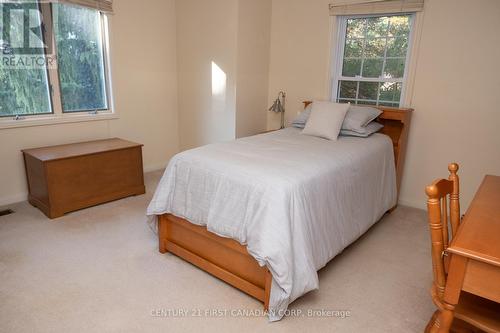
{"points": [[301, 120], [358, 117], [372, 127]]}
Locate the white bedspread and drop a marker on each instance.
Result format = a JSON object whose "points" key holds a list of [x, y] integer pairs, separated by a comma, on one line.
{"points": [[296, 201]]}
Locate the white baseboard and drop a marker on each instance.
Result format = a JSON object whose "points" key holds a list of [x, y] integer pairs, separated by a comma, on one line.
{"points": [[412, 203], [155, 167], [10, 199]]}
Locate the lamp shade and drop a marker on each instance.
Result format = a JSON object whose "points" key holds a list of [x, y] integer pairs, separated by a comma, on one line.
{"points": [[277, 106]]}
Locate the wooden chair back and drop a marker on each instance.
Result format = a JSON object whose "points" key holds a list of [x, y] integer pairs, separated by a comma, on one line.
{"points": [[443, 207]]}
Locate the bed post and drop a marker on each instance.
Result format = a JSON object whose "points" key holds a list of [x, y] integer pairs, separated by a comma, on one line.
{"points": [[267, 289], [162, 233]]}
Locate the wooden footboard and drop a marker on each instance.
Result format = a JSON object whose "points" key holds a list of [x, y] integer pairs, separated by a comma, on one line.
{"points": [[222, 257]]}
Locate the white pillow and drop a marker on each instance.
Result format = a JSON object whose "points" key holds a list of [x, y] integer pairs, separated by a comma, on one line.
{"points": [[326, 120]]}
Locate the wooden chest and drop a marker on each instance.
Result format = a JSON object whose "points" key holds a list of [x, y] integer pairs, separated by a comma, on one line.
{"points": [[69, 177]]}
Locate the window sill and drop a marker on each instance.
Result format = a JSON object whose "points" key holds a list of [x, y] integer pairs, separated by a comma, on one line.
{"points": [[55, 119]]}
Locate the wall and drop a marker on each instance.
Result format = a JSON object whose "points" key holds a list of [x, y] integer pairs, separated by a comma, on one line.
{"points": [[144, 84], [254, 26], [455, 94], [456, 97], [235, 35], [300, 54], [206, 34]]}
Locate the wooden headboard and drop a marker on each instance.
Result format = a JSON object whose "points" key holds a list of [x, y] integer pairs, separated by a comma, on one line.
{"points": [[396, 125]]}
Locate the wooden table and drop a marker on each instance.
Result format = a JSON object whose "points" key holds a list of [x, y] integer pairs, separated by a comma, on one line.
{"points": [[475, 250]]}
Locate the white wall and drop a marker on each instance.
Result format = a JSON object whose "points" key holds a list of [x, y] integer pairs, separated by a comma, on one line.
{"points": [[206, 33], [144, 81], [300, 54], [254, 33], [456, 97], [234, 34], [455, 93]]}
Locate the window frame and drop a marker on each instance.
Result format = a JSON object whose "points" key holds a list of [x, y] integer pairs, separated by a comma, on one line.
{"points": [[338, 57], [58, 115]]}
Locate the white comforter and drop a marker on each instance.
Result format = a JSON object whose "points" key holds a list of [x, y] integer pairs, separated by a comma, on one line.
{"points": [[296, 201]]}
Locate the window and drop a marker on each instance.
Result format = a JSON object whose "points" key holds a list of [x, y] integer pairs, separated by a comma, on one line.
{"points": [[53, 61], [373, 66]]}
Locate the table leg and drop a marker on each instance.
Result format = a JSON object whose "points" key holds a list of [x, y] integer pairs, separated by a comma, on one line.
{"points": [[454, 283]]}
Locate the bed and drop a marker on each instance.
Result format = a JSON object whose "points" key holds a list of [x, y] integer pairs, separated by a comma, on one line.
{"points": [[265, 213]]}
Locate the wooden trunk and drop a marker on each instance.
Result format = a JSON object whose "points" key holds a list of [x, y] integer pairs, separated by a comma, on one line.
{"points": [[69, 177]]}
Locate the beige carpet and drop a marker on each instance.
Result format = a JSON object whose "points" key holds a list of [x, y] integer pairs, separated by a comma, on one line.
{"points": [[99, 270]]}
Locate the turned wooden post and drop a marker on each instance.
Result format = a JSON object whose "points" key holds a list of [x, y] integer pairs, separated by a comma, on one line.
{"points": [[436, 230], [454, 199], [267, 289]]}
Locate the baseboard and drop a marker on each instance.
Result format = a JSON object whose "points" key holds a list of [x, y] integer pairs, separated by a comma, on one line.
{"points": [[155, 167], [412, 203], [10, 199]]}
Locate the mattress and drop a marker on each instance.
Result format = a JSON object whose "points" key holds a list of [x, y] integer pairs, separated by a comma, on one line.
{"points": [[295, 201]]}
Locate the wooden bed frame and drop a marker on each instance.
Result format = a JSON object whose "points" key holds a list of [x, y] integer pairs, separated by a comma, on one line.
{"points": [[227, 259]]}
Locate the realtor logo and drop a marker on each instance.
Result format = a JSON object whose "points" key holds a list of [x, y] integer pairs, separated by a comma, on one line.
{"points": [[23, 25], [22, 28]]}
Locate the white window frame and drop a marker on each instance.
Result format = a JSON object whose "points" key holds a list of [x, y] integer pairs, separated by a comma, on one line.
{"points": [[338, 54], [57, 116]]}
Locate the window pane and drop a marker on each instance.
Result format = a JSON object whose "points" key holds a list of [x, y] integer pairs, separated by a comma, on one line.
{"points": [[352, 67], [23, 92], [397, 46], [80, 58], [355, 28], [375, 48], [377, 26], [395, 105], [353, 48], [390, 91], [372, 67], [346, 101], [347, 89], [368, 90], [399, 25], [367, 102], [394, 68], [24, 89]]}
